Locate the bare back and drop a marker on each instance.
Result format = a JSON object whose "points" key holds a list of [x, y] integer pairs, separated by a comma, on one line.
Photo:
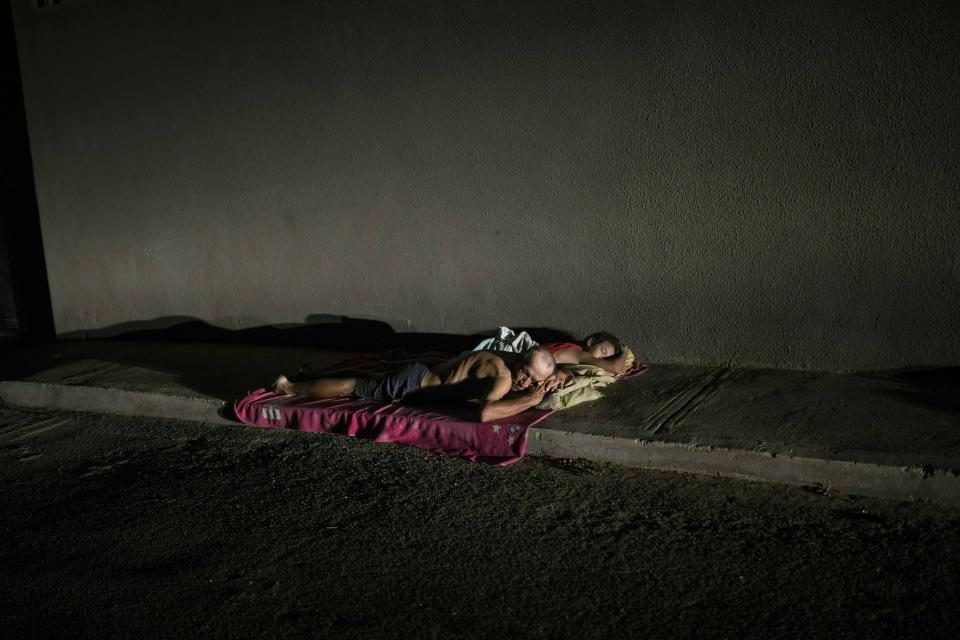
{"points": [[473, 366]]}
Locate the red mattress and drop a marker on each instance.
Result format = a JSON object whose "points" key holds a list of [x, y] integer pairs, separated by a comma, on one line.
{"points": [[448, 431]]}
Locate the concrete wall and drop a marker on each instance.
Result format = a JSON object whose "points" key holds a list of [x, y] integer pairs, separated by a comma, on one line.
{"points": [[746, 182]]}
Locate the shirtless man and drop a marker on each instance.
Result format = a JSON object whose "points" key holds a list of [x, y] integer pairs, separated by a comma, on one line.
{"points": [[503, 384]]}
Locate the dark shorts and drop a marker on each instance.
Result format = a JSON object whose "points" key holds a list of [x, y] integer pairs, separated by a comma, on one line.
{"points": [[392, 386]]}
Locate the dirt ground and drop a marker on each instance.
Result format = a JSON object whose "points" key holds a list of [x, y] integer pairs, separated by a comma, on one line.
{"points": [[130, 527]]}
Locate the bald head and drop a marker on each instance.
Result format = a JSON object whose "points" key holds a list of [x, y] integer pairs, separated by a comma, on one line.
{"points": [[533, 367], [541, 359]]}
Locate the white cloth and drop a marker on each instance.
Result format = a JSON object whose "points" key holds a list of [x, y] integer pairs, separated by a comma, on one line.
{"points": [[506, 339]]}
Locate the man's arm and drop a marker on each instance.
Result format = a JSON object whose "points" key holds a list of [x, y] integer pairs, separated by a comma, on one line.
{"points": [[511, 405]]}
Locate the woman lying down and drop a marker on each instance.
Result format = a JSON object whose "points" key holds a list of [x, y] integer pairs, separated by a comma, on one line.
{"points": [[599, 349]]}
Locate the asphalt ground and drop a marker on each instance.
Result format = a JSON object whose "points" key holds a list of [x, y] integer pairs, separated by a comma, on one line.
{"points": [[136, 527]]}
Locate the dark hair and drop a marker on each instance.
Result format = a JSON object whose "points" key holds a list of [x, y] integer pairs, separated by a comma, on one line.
{"points": [[603, 336]]}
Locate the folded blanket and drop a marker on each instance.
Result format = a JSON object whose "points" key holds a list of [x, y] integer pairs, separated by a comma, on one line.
{"points": [[584, 382]]}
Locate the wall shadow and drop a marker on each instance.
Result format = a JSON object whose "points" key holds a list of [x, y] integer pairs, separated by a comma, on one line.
{"points": [[224, 363], [936, 388], [318, 331]]}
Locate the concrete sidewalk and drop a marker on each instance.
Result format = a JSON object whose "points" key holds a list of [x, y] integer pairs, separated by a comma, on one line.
{"points": [[890, 434]]}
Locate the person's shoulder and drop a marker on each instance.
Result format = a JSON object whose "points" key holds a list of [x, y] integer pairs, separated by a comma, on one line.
{"points": [[498, 373], [491, 363], [570, 355]]}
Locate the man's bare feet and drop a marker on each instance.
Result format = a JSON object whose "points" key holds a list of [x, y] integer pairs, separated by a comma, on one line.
{"points": [[282, 385]]}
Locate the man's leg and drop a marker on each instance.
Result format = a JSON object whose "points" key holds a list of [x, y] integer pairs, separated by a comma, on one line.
{"points": [[319, 388]]}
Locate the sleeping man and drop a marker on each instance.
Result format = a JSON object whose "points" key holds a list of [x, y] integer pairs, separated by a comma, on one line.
{"points": [[502, 384]]}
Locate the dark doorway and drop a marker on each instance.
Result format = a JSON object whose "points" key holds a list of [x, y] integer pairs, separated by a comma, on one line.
{"points": [[9, 326], [25, 310]]}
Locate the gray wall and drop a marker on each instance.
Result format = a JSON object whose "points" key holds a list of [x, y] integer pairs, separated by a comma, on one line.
{"points": [[755, 183]]}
